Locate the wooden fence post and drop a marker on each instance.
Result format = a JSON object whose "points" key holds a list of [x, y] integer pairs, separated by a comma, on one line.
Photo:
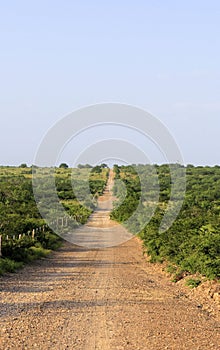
{"points": [[57, 222], [66, 221]]}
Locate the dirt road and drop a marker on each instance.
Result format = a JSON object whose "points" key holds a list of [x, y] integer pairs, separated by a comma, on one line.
{"points": [[100, 231], [109, 298]]}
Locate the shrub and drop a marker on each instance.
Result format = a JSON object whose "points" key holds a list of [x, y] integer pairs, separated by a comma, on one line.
{"points": [[38, 252], [193, 282], [8, 265]]}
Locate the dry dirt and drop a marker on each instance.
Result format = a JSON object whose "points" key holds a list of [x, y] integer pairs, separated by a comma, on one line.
{"points": [[109, 298]]}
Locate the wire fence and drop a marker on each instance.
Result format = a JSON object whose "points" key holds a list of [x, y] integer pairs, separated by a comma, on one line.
{"points": [[58, 223]]}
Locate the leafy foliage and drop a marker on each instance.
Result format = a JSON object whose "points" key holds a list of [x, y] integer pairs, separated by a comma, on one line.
{"points": [[193, 241], [76, 190]]}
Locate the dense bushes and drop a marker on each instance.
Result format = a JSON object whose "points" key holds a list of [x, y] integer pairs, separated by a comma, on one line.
{"points": [[130, 184], [77, 190], [193, 241]]}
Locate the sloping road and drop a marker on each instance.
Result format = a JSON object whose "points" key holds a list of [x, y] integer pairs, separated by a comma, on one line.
{"points": [[100, 231], [109, 298]]}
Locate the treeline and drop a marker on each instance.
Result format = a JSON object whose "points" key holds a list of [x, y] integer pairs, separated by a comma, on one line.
{"points": [[77, 190], [192, 243]]}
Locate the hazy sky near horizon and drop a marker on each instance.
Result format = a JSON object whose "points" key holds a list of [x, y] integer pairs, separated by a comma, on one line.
{"points": [[59, 56]]}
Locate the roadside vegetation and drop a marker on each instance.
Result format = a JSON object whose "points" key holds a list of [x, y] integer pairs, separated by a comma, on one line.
{"points": [[192, 243], [77, 190]]}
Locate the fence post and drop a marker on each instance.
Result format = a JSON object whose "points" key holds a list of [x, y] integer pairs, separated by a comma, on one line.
{"points": [[33, 233], [66, 221]]}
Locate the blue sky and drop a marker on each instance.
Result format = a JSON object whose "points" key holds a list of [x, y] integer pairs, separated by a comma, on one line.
{"points": [[58, 56]]}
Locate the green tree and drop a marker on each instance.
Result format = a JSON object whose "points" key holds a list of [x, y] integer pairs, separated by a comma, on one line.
{"points": [[64, 166]]}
